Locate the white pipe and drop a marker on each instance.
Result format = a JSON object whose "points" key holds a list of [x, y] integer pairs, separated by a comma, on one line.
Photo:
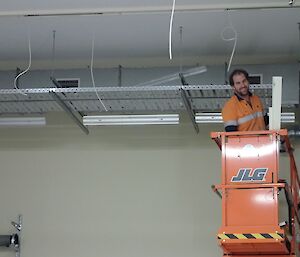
{"points": [[275, 117]]}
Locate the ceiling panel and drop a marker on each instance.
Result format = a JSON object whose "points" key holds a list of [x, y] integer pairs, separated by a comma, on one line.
{"points": [[262, 34]]}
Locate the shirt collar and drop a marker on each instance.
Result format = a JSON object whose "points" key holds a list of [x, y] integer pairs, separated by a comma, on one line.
{"points": [[239, 98]]}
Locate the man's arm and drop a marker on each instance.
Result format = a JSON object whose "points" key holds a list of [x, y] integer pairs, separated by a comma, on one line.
{"points": [[231, 128], [266, 119], [229, 116], [266, 116]]}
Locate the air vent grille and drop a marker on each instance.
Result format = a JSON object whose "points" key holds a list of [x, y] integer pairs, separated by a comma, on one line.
{"points": [[68, 82]]}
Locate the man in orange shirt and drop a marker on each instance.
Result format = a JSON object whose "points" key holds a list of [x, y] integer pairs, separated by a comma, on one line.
{"points": [[244, 110]]}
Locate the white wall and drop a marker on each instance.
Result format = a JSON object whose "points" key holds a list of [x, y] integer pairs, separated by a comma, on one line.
{"points": [[118, 192], [132, 191]]}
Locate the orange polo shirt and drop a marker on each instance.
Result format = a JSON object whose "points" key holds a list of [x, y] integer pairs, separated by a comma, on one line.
{"points": [[247, 117]]}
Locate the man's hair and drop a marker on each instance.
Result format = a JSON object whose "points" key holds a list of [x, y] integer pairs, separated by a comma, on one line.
{"points": [[237, 72]]}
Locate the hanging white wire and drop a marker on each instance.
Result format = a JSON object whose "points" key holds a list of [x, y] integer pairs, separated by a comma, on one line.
{"points": [[92, 73], [229, 28], [170, 30], [27, 69]]}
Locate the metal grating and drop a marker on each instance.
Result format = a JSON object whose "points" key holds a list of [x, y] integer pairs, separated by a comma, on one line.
{"points": [[203, 98]]}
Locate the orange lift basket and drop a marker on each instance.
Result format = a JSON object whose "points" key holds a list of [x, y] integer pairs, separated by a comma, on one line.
{"points": [[249, 189]]}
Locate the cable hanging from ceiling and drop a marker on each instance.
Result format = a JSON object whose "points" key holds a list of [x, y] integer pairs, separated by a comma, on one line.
{"points": [[170, 30], [92, 73], [228, 28], [29, 65]]}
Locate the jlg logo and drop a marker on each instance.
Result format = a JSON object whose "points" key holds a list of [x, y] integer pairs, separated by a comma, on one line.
{"points": [[246, 175]]}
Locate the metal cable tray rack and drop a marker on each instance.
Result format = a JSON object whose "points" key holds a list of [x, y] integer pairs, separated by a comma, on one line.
{"points": [[143, 99]]}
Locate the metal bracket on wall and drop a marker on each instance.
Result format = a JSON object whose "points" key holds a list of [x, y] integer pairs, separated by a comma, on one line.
{"points": [[62, 104], [14, 240]]}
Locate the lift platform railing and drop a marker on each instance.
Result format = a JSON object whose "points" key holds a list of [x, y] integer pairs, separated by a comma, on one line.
{"points": [[294, 191]]}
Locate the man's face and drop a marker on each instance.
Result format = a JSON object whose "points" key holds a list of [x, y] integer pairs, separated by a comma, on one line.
{"points": [[240, 84]]}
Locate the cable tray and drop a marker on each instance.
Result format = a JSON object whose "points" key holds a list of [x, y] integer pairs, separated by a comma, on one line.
{"points": [[142, 99]]}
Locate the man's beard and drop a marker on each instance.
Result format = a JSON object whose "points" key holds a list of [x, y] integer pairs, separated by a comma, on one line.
{"points": [[240, 92]]}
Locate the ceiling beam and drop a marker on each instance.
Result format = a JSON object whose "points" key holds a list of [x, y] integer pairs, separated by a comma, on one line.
{"points": [[150, 9], [149, 62]]}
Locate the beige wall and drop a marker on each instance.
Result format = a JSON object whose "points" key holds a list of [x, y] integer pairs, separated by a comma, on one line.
{"points": [[118, 192]]}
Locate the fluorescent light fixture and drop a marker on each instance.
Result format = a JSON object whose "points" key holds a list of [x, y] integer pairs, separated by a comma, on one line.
{"points": [[22, 121], [156, 119], [208, 118], [175, 76], [194, 71], [216, 117], [288, 117]]}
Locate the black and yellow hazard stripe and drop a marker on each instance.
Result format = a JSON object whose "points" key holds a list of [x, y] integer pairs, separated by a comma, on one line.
{"points": [[251, 236]]}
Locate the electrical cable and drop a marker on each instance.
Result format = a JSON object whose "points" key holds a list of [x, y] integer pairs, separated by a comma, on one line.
{"points": [[230, 27], [170, 30], [23, 72], [92, 74], [230, 39]]}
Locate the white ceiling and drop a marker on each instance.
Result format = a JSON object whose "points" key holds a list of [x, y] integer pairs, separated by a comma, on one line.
{"points": [[135, 32]]}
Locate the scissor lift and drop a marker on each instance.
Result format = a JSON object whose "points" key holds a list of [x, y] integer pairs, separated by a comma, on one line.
{"points": [[249, 190]]}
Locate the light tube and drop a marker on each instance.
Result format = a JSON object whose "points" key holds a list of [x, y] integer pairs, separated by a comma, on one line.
{"points": [[22, 121], [175, 76], [208, 118], [216, 117]]}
